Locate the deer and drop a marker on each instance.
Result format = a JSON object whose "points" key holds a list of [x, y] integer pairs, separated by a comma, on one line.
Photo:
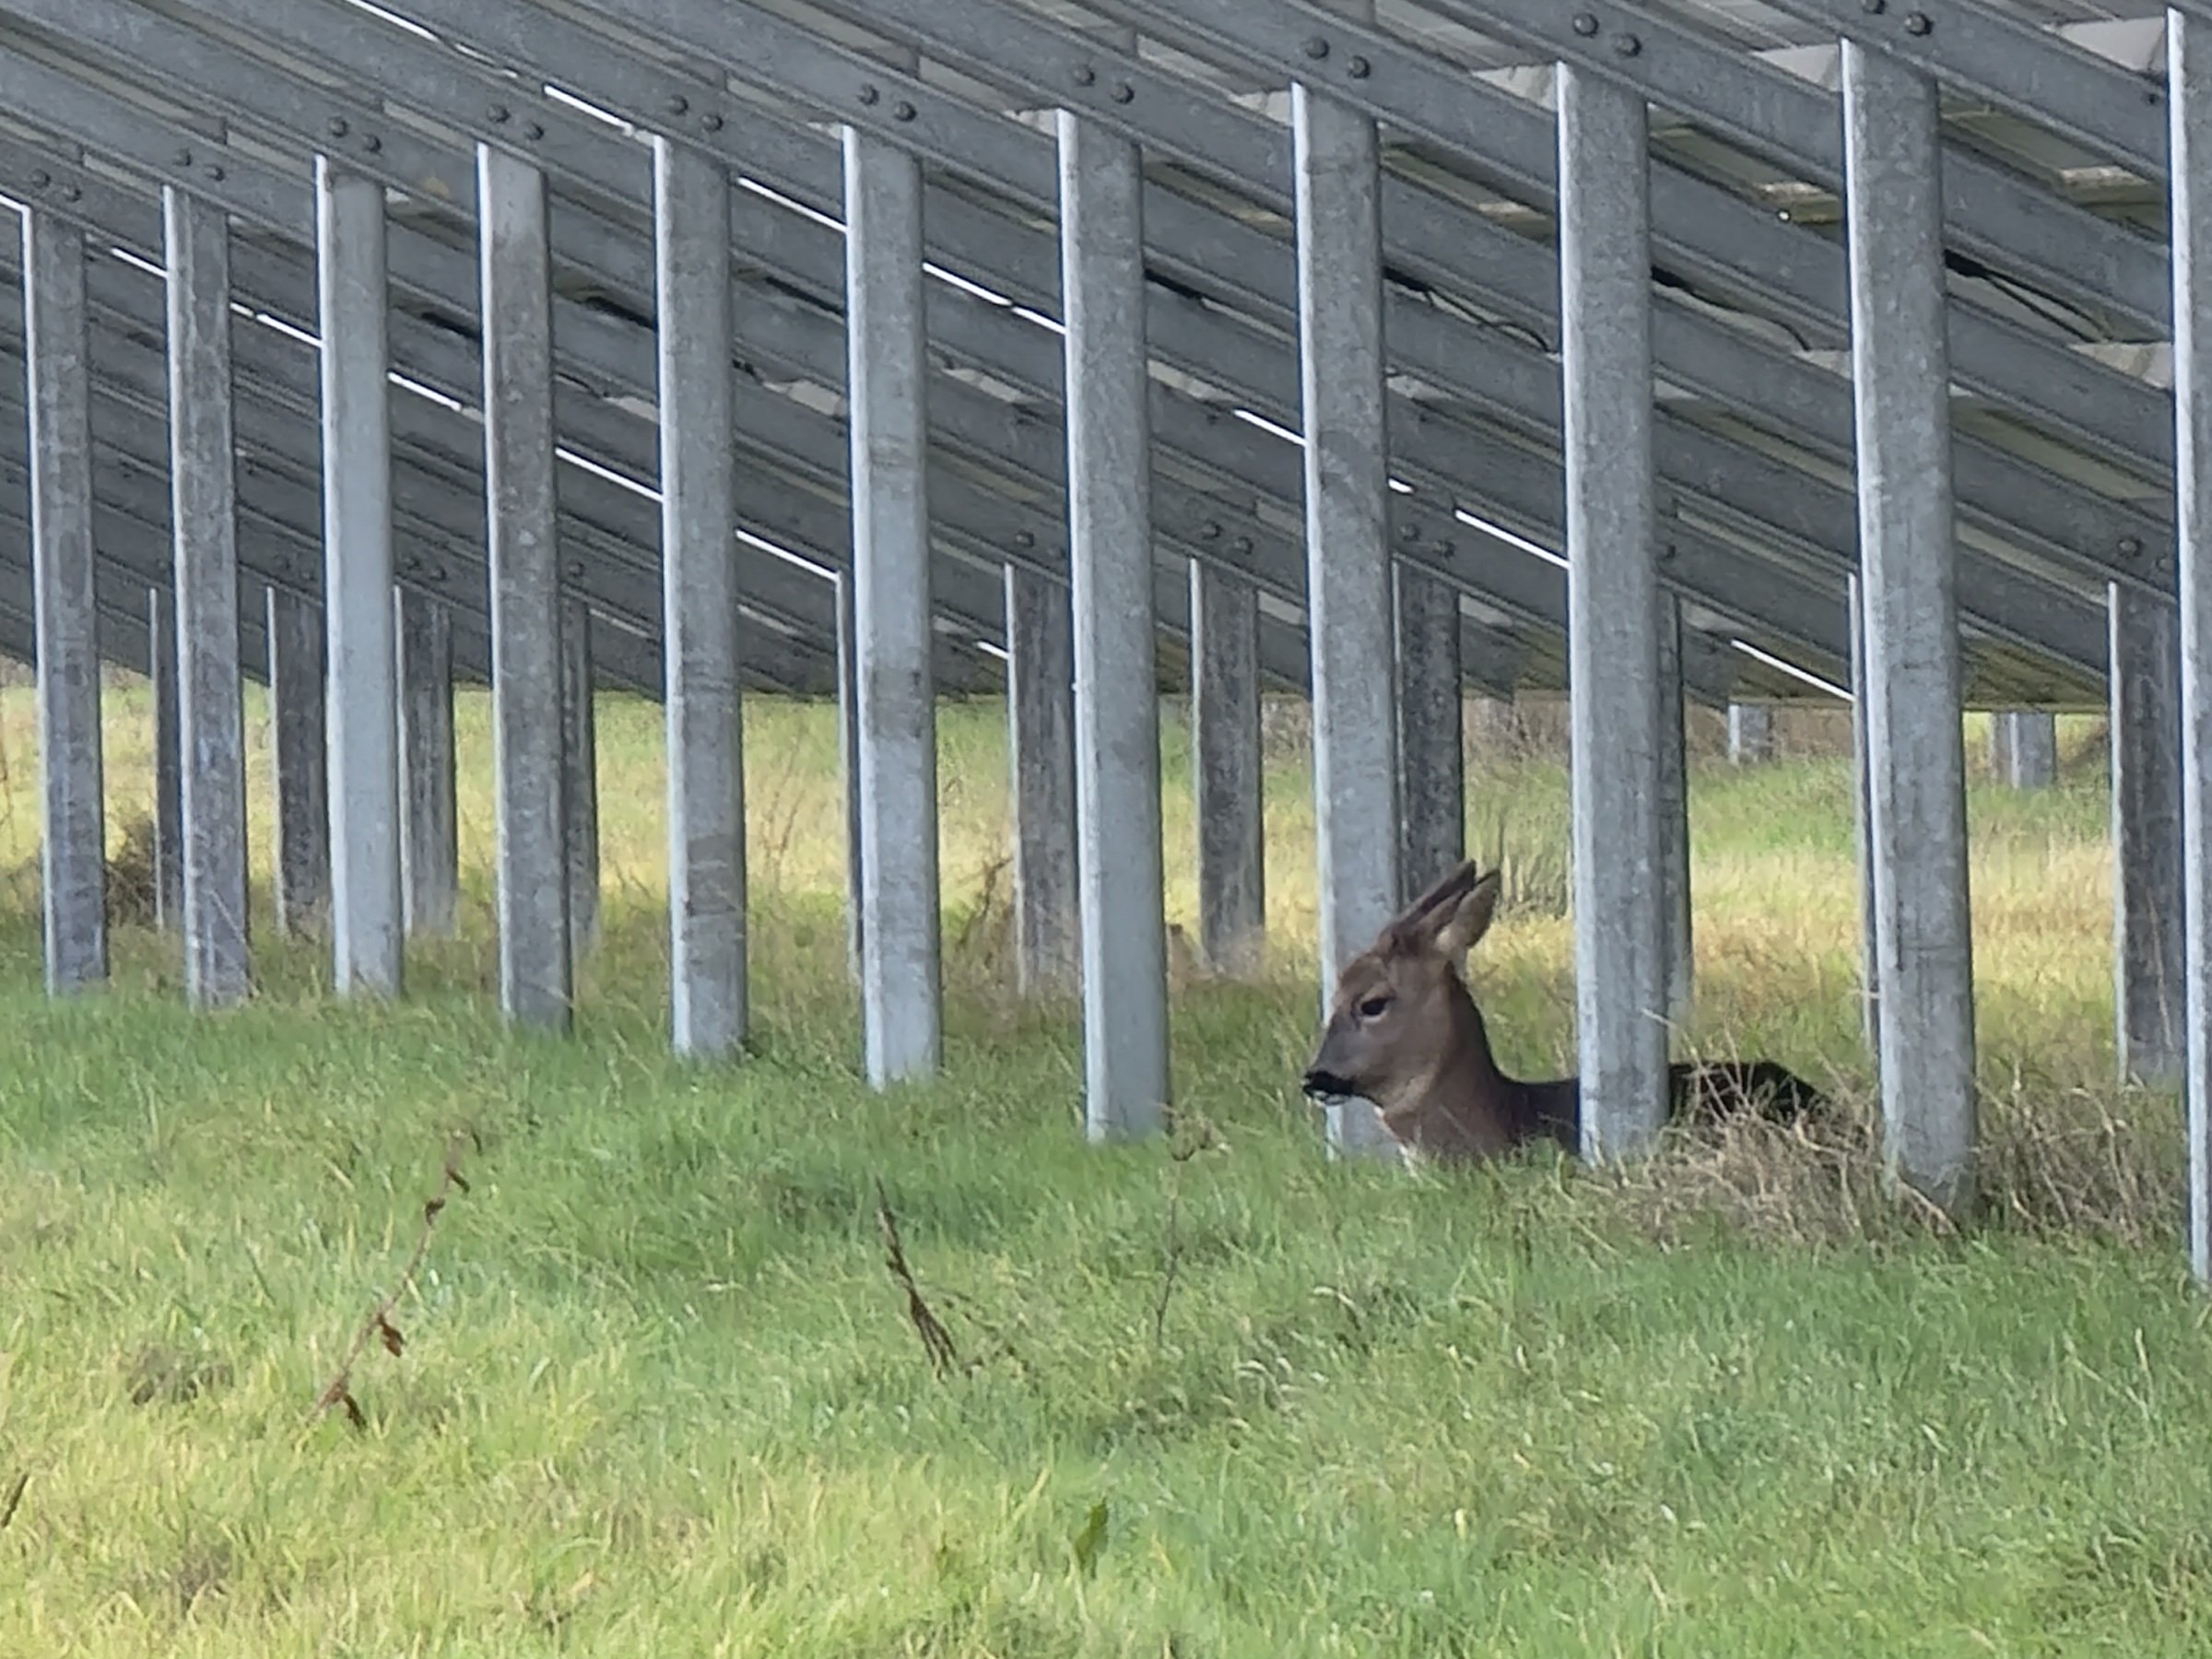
{"points": [[1404, 1033]]}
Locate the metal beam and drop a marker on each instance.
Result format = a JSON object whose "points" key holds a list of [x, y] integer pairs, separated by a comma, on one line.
{"points": [[579, 238], [491, 28], [1862, 802], [413, 255], [1992, 213], [1750, 734], [1398, 85], [1013, 257], [160, 613], [2028, 742], [435, 558], [2032, 72]]}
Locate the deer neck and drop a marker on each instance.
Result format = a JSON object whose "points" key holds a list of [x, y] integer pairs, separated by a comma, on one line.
{"points": [[1461, 1105]]}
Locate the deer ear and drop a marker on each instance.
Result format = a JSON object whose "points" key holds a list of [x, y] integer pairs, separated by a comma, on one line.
{"points": [[1470, 919], [1413, 929], [1428, 912]]}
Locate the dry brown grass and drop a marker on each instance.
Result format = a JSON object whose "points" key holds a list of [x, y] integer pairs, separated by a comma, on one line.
{"points": [[2083, 1171]]}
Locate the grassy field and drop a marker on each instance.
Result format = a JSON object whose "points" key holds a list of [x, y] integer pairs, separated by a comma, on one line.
{"points": [[660, 1396]]}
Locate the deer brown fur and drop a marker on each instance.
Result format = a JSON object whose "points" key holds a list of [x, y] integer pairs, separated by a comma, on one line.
{"points": [[1404, 1033]]}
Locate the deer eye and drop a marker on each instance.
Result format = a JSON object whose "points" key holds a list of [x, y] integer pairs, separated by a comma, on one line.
{"points": [[1374, 1007]]}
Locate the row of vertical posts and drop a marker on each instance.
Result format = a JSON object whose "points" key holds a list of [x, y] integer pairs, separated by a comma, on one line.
{"points": [[1384, 641], [360, 687]]}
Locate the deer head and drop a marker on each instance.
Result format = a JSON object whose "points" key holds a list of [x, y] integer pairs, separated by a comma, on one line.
{"points": [[1401, 1018]]}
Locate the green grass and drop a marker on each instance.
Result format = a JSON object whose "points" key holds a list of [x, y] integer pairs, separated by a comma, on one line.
{"points": [[660, 1396]]}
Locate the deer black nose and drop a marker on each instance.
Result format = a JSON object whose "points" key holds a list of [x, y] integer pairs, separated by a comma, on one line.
{"points": [[1323, 1085]]}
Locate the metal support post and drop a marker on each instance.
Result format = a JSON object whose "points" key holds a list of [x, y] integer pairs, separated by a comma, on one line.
{"points": [[1040, 717], [363, 817], [1229, 779], [73, 820], [901, 995], [204, 528], [699, 573], [1620, 892], [294, 641], [536, 970], [1119, 862], [1338, 180], [1909, 558], [428, 845], [1431, 760]]}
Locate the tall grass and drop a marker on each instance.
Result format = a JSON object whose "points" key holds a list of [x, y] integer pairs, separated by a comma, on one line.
{"points": [[659, 1394]]}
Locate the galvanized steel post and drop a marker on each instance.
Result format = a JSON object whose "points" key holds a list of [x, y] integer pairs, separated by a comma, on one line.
{"points": [[169, 759], [1338, 178], [72, 822], [1674, 819], [1862, 802], [300, 754], [1909, 557], [204, 527], [2024, 745], [1620, 889], [848, 768], [886, 378], [2147, 892], [1121, 877], [1432, 758], [2189, 115], [536, 970], [429, 849], [579, 773], [1041, 718], [362, 805], [698, 575], [1119, 862], [1750, 734], [1228, 779]]}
